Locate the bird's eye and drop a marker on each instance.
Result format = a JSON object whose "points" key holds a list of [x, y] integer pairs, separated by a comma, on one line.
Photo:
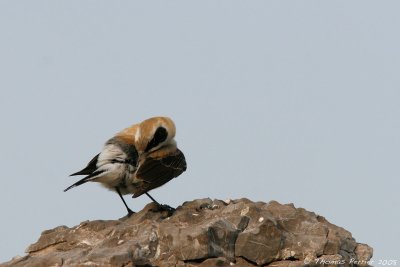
{"points": [[160, 136]]}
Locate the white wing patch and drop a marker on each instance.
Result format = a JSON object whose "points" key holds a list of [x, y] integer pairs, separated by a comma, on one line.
{"points": [[111, 162], [110, 154]]}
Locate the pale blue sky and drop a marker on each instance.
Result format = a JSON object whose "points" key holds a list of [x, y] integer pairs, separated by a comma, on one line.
{"points": [[291, 101]]}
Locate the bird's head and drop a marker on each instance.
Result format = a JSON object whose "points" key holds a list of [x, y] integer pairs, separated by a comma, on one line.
{"points": [[154, 133]]}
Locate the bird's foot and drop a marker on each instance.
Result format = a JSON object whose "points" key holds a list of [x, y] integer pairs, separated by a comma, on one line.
{"points": [[130, 212], [127, 216], [170, 210]]}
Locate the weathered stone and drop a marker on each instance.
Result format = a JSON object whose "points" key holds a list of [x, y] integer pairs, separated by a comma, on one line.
{"points": [[329, 261], [199, 233], [287, 264], [260, 244], [363, 254], [215, 262]]}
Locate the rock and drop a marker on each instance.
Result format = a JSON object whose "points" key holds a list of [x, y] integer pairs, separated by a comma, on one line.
{"points": [[201, 233], [260, 244]]}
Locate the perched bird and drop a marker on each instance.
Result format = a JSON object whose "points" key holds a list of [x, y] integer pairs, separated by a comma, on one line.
{"points": [[137, 160]]}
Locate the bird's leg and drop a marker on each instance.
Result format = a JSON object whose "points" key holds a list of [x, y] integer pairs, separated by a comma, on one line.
{"points": [[161, 206], [130, 212], [155, 201]]}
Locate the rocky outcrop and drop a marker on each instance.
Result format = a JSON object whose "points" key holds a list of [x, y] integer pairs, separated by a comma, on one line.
{"points": [[201, 233]]}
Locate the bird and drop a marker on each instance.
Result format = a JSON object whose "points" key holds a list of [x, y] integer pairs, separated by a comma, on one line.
{"points": [[136, 160]]}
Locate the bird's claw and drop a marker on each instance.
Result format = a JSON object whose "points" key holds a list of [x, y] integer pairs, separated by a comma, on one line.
{"points": [[130, 213], [166, 208]]}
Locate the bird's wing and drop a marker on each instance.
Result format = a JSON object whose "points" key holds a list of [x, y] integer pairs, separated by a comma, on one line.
{"points": [[154, 172], [90, 168]]}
